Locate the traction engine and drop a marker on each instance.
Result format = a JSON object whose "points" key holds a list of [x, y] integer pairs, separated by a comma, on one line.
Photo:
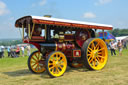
{"points": [[63, 43]]}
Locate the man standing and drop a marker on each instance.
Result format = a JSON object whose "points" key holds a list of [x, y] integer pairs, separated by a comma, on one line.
{"points": [[28, 50], [112, 48], [125, 44], [9, 50], [22, 49], [119, 45], [1, 52]]}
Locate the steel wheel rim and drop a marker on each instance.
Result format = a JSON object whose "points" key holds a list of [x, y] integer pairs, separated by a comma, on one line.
{"points": [[36, 64], [57, 64], [97, 54]]}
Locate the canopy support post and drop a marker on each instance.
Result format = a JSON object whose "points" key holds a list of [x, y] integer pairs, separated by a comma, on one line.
{"points": [[22, 32], [32, 30], [45, 31], [103, 34], [29, 31], [95, 32]]}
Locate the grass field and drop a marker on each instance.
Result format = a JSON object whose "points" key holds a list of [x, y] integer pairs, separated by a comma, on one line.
{"points": [[14, 71]]}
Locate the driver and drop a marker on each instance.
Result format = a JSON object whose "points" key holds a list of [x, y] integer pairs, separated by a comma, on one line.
{"points": [[37, 31]]}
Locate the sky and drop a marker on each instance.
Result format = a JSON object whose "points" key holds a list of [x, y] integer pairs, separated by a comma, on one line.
{"points": [[113, 12]]}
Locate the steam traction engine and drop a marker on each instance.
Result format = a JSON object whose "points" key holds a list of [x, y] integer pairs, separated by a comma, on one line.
{"points": [[63, 42]]}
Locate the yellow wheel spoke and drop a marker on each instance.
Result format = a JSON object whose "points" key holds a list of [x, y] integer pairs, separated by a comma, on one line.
{"points": [[52, 60], [52, 67], [38, 54], [90, 49], [97, 45], [101, 49], [62, 63], [61, 67], [34, 65], [91, 60], [40, 57], [32, 62], [94, 62], [97, 58], [37, 57], [99, 53], [88, 54], [33, 58], [50, 63], [56, 69], [97, 61], [93, 45], [101, 56], [57, 55], [37, 66], [58, 58], [41, 66], [62, 60]]}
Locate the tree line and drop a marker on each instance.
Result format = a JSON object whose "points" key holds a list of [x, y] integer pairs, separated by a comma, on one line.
{"points": [[10, 42], [119, 32]]}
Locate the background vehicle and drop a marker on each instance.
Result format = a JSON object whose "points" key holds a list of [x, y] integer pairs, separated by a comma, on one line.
{"points": [[64, 42]]}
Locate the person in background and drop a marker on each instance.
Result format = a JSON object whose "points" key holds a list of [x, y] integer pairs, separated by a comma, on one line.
{"points": [[28, 50], [112, 48], [119, 45], [125, 44], [1, 52], [22, 49], [17, 51], [9, 51]]}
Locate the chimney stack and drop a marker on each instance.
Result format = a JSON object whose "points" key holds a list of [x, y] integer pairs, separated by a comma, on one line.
{"points": [[49, 16]]}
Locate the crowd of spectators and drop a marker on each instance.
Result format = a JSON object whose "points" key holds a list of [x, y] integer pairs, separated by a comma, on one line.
{"points": [[14, 51], [120, 45]]}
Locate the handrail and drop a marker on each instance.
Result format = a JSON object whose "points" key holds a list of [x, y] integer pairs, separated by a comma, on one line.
{"points": [[29, 31], [32, 30], [23, 32]]}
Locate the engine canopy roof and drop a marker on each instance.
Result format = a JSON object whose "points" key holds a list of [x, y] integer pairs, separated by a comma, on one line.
{"points": [[60, 22]]}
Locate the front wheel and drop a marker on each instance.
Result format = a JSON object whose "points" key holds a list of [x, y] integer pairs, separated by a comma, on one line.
{"points": [[94, 53], [36, 63], [56, 64]]}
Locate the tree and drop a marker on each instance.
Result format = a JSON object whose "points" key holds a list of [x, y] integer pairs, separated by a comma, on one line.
{"points": [[119, 32]]}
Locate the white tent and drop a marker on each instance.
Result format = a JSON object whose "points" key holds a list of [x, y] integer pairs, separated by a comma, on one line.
{"points": [[2, 46], [121, 38]]}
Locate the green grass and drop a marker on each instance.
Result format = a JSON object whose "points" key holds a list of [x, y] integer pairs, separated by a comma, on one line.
{"points": [[14, 71]]}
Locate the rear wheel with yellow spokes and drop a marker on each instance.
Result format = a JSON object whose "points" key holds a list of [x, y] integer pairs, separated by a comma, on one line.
{"points": [[56, 64], [94, 53], [36, 62]]}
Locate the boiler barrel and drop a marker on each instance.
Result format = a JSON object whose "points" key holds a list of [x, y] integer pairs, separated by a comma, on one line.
{"points": [[48, 46], [57, 46]]}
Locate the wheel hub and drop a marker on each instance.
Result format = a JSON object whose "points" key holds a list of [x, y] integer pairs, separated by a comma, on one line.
{"points": [[94, 53]]}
